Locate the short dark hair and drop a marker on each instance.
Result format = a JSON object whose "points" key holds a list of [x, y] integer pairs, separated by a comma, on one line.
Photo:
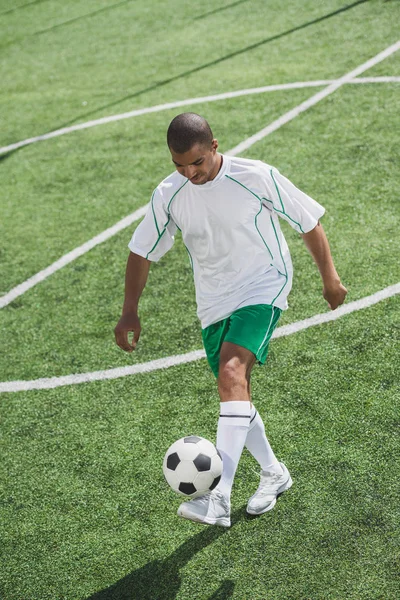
{"points": [[186, 130]]}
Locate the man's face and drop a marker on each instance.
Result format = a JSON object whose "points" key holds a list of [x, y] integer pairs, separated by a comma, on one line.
{"points": [[200, 164]]}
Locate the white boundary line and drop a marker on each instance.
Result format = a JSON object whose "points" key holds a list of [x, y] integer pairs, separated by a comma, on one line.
{"points": [[385, 79], [159, 108], [295, 112], [171, 361], [55, 382], [187, 102], [71, 256]]}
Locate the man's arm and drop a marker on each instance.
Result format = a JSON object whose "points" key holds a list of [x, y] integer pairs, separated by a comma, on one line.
{"points": [[137, 270], [317, 244]]}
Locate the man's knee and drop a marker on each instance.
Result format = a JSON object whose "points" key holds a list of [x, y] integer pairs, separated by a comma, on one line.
{"points": [[235, 365], [232, 373]]}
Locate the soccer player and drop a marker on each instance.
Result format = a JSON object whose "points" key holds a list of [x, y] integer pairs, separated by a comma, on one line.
{"points": [[228, 211]]}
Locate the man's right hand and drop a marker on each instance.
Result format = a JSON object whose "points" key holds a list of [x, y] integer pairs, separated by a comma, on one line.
{"points": [[127, 323]]}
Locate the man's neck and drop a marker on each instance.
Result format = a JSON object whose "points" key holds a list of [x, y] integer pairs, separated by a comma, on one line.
{"points": [[220, 160]]}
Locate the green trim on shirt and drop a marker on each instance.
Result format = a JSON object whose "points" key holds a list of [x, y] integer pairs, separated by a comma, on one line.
{"points": [[190, 256], [188, 251], [159, 237], [283, 213], [169, 218], [154, 214], [284, 264], [280, 199], [177, 192], [255, 219], [277, 190]]}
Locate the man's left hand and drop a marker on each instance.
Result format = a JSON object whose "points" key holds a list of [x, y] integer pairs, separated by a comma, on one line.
{"points": [[334, 295]]}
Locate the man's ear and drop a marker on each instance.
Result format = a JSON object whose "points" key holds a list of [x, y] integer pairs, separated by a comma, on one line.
{"points": [[214, 144]]}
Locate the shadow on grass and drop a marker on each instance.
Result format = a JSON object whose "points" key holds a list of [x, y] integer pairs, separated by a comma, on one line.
{"points": [[219, 9], [184, 74], [160, 579], [212, 63], [15, 8], [85, 16], [6, 155]]}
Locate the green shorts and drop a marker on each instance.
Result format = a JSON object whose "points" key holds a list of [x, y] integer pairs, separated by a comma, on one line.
{"points": [[250, 327]]}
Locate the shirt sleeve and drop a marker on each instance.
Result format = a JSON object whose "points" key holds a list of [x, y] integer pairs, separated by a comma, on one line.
{"points": [[291, 204], [154, 236]]}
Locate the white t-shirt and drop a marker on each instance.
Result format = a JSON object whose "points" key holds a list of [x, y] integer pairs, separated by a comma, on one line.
{"points": [[231, 230]]}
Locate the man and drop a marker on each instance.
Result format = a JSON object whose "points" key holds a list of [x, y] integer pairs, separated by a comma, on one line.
{"points": [[227, 210]]}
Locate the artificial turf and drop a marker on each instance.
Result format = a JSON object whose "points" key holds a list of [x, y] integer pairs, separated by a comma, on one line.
{"points": [[84, 510]]}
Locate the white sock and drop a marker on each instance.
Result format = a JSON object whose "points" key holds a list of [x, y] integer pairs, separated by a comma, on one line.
{"points": [[232, 430], [258, 445]]}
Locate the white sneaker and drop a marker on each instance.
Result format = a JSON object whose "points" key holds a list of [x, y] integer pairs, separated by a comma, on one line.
{"points": [[211, 509], [271, 485]]}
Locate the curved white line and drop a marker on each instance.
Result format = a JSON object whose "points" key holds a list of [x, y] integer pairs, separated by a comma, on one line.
{"points": [[187, 102], [164, 363], [32, 281]]}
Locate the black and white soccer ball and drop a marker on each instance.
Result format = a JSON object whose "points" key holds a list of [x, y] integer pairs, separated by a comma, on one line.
{"points": [[192, 466]]}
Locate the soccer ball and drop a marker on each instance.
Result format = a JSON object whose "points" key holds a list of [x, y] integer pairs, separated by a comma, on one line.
{"points": [[192, 466]]}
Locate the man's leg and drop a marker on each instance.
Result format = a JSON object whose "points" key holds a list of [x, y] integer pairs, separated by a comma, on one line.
{"points": [[235, 364], [257, 442], [235, 367], [274, 476], [231, 363]]}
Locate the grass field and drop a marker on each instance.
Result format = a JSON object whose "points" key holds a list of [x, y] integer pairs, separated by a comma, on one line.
{"points": [[85, 513]]}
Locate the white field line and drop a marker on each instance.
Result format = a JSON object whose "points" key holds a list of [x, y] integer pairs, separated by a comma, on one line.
{"points": [[187, 102], [66, 259], [98, 239], [295, 112], [71, 256], [385, 79], [171, 361], [159, 108]]}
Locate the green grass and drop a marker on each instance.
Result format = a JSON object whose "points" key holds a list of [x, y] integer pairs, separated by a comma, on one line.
{"points": [[87, 506], [104, 179], [84, 510], [122, 52]]}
